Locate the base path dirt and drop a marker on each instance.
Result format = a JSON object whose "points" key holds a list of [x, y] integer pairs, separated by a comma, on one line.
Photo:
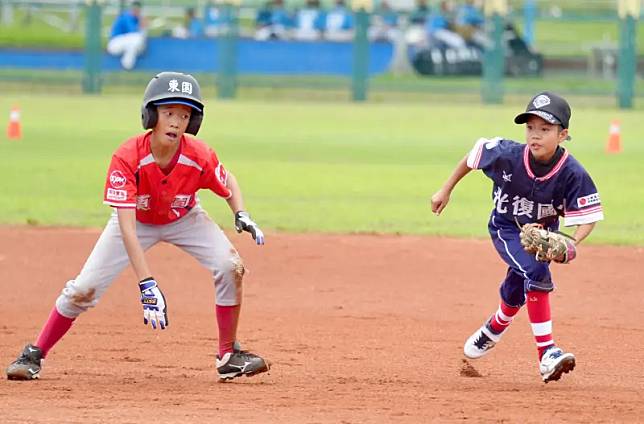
{"points": [[359, 328]]}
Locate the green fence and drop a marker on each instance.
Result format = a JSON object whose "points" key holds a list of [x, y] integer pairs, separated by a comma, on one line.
{"points": [[588, 50]]}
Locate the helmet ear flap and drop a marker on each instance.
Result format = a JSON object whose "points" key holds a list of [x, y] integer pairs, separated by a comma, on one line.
{"points": [[195, 122], [149, 116]]}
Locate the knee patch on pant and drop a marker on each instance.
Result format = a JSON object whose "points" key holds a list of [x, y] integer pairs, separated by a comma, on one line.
{"points": [[74, 300], [229, 281]]}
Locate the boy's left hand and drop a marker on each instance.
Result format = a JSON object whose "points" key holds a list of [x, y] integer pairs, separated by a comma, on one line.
{"points": [[244, 223], [547, 245]]}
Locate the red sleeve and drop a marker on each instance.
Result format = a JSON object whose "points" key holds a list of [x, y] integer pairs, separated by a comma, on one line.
{"points": [[120, 186], [214, 176]]}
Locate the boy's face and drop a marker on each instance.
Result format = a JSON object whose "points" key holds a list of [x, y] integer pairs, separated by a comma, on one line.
{"points": [[172, 123], [543, 137]]}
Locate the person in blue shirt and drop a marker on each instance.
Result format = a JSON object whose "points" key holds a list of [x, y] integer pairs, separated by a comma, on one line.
{"points": [[273, 21], [309, 22], [469, 24], [264, 15], [192, 27], [215, 22], [338, 25], [127, 38], [439, 29], [384, 25], [419, 15], [469, 14]]}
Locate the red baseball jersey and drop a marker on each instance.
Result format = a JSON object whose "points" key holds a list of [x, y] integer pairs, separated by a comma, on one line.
{"points": [[134, 180]]}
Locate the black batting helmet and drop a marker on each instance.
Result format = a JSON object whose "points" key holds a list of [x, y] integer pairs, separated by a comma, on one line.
{"points": [[172, 88]]}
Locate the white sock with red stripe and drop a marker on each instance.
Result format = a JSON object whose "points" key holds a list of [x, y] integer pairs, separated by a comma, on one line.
{"points": [[539, 313], [503, 317]]}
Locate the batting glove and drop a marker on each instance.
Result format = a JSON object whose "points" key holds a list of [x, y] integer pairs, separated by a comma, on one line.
{"points": [[244, 223], [154, 308]]}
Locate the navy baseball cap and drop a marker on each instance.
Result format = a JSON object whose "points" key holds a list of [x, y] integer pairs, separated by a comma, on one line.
{"points": [[548, 106], [177, 102]]}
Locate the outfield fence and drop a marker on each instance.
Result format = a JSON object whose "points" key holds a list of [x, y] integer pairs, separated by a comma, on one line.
{"points": [[586, 48]]}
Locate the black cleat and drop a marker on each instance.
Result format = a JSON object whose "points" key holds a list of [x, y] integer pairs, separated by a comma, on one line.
{"points": [[27, 366], [239, 363]]}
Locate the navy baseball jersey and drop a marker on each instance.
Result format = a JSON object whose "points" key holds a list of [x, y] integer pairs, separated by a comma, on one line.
{"points": [[520, 196]]}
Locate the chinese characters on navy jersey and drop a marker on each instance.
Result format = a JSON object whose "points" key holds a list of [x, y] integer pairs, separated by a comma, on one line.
{"points": [[520, 196]]}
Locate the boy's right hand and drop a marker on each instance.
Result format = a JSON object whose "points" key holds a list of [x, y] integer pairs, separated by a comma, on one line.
{"points": [[154, 306], [439, 201]]}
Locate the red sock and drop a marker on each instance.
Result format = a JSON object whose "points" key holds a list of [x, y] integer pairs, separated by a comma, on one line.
{"points": [[55, 328], [539, 313], [503, 317], [227, 319]]}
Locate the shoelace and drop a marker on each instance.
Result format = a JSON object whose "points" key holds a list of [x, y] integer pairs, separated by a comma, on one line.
{"points": [[247, 356], [554, 355], [483, 342], [25, 359]]}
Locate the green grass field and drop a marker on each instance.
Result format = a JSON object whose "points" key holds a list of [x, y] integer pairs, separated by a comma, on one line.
{"points": [[310, 166]]}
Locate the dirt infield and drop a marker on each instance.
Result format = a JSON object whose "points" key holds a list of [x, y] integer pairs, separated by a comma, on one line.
{"points": [[360, 329]]}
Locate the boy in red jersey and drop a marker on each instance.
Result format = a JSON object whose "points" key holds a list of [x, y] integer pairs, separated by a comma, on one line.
{"points": [[151, 184]]}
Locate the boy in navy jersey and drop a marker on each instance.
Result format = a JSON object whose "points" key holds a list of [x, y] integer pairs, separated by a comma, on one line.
{"points": [[535, 182]]}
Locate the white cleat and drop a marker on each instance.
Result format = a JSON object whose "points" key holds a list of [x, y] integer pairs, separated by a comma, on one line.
{"points": [[554, 363], [480, 342]]}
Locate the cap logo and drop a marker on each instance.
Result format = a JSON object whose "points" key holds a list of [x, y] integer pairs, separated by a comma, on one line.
{"points": [[173, 87], [540, 101]]}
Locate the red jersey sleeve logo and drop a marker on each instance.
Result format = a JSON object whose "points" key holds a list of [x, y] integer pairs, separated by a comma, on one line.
{"points": [[221, 174], [117, 179], [120, 185]]}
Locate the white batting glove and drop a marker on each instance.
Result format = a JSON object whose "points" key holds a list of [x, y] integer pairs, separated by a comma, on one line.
{"points": [[154, 306], [244, 223]]}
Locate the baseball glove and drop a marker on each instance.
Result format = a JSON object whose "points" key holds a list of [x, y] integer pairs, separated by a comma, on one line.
{"points": [[547, 245]]}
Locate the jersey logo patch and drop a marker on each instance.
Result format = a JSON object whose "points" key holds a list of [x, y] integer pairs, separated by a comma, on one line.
{"points": [[591, 199], [221, 174], [143, 202], [113, 194], [181, 201], [117, 179], [507, 177]]}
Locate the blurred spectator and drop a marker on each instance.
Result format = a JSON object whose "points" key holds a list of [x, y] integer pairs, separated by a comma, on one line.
{"points": [[215, 22], [416, 34], [384, 25], [264, 15], [469, 24], [418, 16], [192, 27], [440, 29], [273, 21], [469, 14], [127, 38], [309, 22], [338, 25]]}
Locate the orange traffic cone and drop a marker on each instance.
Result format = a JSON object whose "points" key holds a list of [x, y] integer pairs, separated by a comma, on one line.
{"points": [[614, 144], [14, 131]]}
